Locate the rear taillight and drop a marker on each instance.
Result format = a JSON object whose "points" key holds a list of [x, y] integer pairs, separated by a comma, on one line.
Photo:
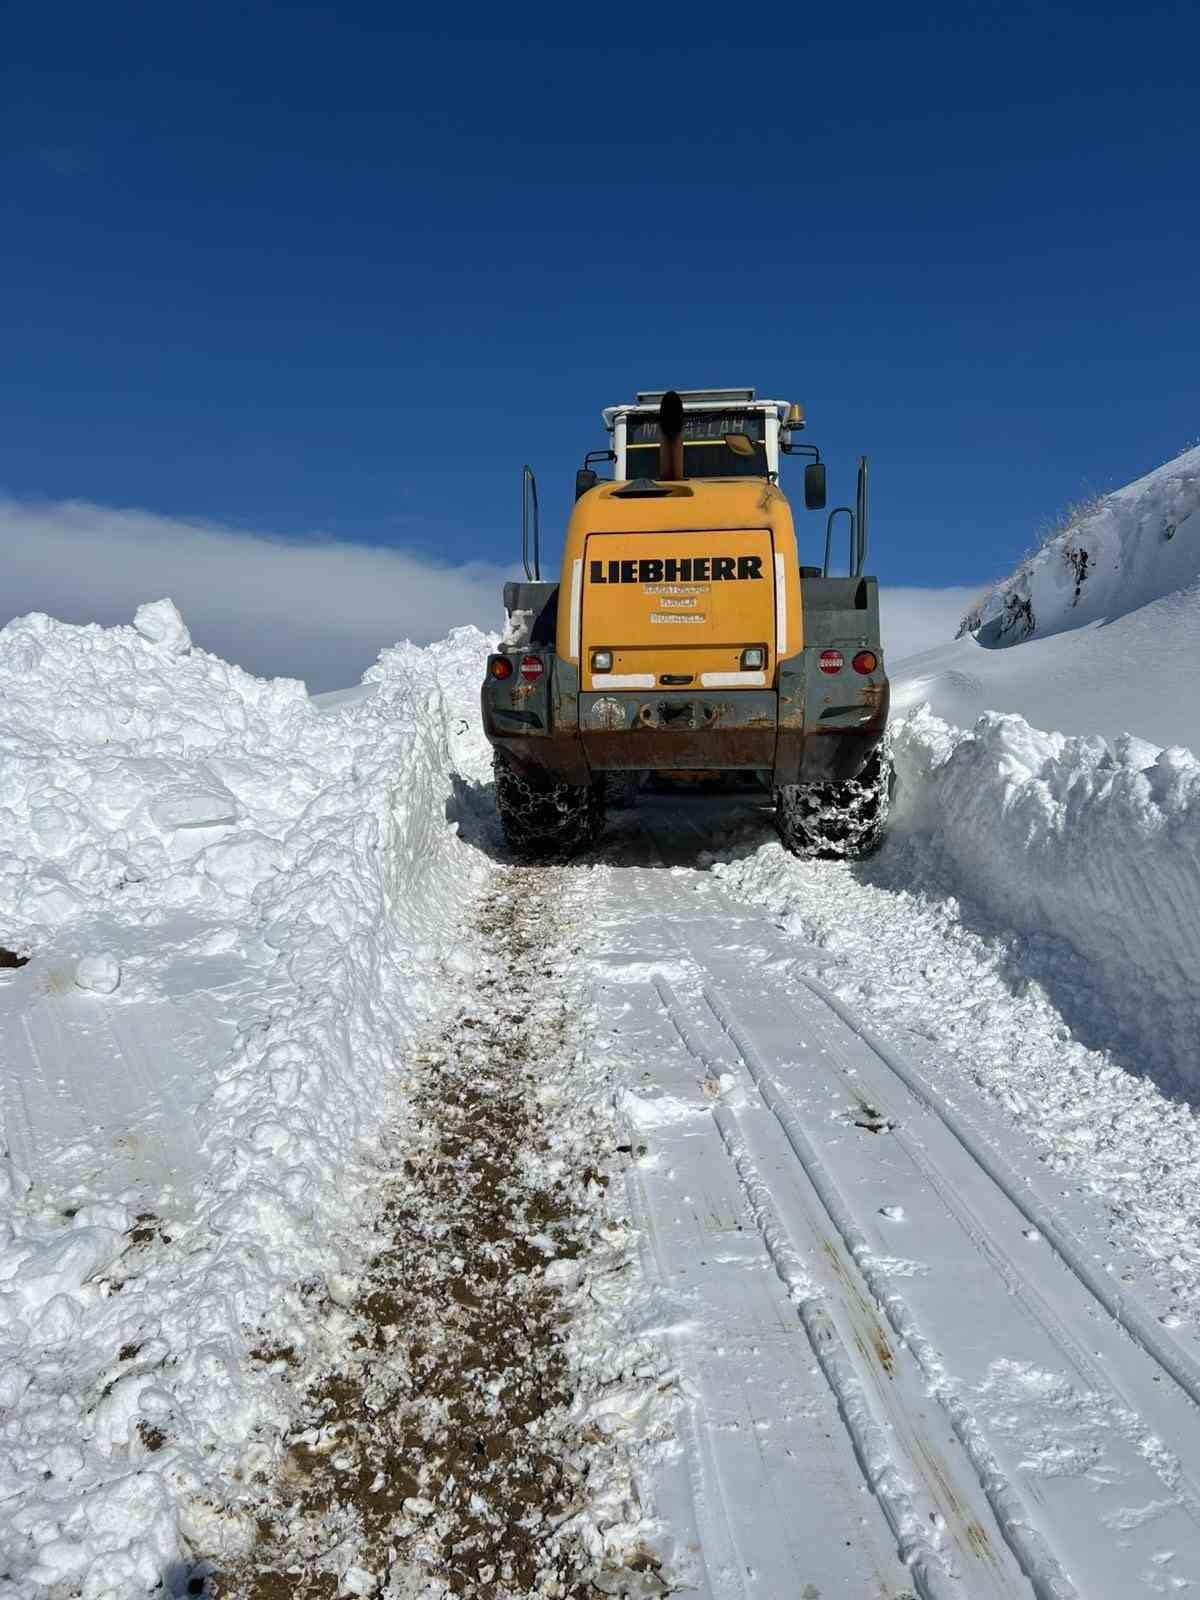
{"points": [[532, 668], [501, 667], [754, 659], [832, 661], [601, 660], [865, 661]]}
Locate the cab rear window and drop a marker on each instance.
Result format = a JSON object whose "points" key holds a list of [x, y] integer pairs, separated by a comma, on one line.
{"points": [[705, 453]]}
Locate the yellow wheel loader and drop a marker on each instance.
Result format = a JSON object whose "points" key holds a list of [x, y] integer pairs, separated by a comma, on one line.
{"points": [[684, 635]]}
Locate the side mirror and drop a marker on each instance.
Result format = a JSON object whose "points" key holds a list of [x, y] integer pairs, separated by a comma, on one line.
{"points": [[814, 486], [585, 479]]}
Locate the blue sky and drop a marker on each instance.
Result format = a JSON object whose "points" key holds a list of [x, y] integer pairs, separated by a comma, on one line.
{"points": [[333, 270]]}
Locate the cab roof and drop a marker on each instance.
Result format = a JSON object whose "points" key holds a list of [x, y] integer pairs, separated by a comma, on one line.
{"points": [[649, 400]]}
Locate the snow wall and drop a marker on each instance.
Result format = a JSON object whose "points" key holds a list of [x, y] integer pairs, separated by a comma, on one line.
{"points": [[1086, 838], [160, 809], [1092, 849]]}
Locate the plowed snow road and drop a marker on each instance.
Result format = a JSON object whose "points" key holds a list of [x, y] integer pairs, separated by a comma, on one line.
{"points": [[902, 1366]]}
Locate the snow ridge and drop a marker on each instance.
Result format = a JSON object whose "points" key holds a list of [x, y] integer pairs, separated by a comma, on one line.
{"points": [[1096, 847]]}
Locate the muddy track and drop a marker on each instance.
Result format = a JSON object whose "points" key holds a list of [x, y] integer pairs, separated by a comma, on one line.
{"points": [[440, 1459]]}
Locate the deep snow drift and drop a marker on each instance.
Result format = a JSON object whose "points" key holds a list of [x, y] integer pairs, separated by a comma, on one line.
{"points": [[242, 908], [1085, 836]]}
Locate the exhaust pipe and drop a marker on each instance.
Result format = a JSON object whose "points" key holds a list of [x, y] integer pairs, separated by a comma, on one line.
{"points": [[670, 438]]}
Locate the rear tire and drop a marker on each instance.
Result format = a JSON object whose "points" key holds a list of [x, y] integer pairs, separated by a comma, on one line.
{"points": [[621, 789], [837, 821], [542, 817]]}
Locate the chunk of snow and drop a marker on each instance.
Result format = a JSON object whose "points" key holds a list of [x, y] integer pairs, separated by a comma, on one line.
{"points": [[160, 622], [564, 1273], [463, 961], [517, 630], [648, 1111], [194, 808], [99, 974], [240, 864], [64, 1265]]}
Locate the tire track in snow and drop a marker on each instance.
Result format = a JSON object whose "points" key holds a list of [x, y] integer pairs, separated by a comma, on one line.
{"points": [[1042, 1568], [927, 1559], [709, 1511], [18, 1125], [1181, 1367], [1179, 1483]]}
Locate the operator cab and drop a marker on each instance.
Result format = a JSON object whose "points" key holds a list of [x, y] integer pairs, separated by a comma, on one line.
{"points": [[726, 433], [710, 418]]}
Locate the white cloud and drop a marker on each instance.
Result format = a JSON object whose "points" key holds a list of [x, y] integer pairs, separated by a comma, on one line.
{"points": [[913, 620], [308, 608]]}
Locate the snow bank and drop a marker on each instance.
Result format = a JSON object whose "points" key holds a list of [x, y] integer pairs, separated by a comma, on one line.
{"points": [[1098, 632], [1084, 839], [1097, 847], [145, 786]]}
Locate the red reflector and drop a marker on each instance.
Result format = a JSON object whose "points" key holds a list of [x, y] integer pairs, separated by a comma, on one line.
{"points": [[832, 661], [865, 661], [501, 667], [532, 668]]}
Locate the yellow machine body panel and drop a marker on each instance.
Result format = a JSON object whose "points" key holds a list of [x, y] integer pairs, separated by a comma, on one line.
{"points": [[678, 586], [680, 607]]}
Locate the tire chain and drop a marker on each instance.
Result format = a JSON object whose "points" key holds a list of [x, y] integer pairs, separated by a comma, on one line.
{"points": [[546, 818], [839, 821]]}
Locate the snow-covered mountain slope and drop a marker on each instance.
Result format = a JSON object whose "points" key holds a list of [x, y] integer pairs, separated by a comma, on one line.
{"points": [[1098, 632], [241, 908]]}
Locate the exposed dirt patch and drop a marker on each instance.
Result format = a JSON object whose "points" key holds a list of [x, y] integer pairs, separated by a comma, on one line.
{"points": [[9, 958], [440, 1458]]}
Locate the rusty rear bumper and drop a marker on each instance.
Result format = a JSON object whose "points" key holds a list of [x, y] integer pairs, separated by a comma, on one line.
{"points": [[811, 729], [681, 729]]}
